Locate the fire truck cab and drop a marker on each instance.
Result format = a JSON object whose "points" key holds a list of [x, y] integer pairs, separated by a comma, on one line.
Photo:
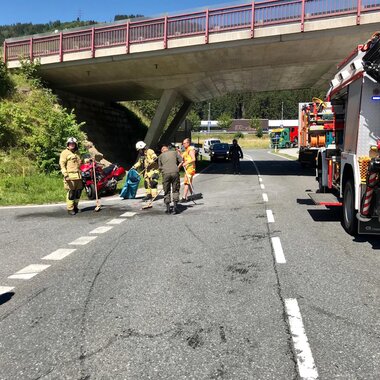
{"points": [[348, 162]]}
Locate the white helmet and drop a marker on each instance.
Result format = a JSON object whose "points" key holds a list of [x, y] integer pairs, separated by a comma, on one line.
{"points": [[71, 140], [140, 145]]}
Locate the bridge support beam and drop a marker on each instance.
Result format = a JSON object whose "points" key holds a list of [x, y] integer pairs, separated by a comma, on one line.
{"points": [[157, 125], [179, 118]]}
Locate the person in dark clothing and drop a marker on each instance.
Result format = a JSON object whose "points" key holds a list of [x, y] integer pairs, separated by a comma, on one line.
{"points": [[168, 163], [235, 154]]}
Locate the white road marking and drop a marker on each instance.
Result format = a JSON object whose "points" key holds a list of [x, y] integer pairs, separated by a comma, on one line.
{"points": [[128, 214], [260, 179], [265, 197], [83, 240], [29, 272], [262, 186], [101, 230], [5, 289], [278, 252], [116, 221], [279, 155], [270, 216], [306, 366], [59, 254]]}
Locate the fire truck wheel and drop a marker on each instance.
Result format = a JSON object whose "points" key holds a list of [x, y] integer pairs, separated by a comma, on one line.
{"points": [[321, 188], [350, 222]]}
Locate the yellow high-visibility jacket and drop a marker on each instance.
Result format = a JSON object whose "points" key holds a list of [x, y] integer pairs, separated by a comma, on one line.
{"points": [[70, 164]]}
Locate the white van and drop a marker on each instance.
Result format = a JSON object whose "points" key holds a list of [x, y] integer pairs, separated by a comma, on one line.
{"points": [[208, 143]]}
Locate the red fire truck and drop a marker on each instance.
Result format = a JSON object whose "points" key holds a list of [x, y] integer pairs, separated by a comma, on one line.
{"points": [[345, 130]]}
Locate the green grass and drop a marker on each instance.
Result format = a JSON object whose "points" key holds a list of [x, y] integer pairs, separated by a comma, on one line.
{"points": [[249, 141], [33, 189]]}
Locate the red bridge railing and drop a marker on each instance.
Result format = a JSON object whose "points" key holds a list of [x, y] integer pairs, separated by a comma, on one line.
{"points": [[246, 16]]}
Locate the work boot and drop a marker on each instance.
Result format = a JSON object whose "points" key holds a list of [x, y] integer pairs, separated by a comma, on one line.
{"points": [[175, 208], [71, 212], [167, 208], [147, 197]]}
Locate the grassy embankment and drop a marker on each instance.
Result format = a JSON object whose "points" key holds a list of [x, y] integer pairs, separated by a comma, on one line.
{"points": [[249, 141]]}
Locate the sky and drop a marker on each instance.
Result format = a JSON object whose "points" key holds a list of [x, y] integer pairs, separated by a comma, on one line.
{"points": [[43, 11]]}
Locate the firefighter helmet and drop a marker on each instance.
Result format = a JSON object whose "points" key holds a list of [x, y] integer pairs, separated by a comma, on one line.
{"points": [[72, 140], [140, 145]]}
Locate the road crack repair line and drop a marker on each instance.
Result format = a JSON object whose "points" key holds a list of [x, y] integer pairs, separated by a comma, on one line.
{"points": [[298, 343]]}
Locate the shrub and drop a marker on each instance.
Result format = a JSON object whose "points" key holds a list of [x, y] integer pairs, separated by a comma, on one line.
{"points": [[6, 84], [239, 135]]}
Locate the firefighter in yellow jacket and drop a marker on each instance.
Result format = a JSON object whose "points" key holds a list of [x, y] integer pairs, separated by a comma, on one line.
{"points": [[70, 162], [147, 160]]}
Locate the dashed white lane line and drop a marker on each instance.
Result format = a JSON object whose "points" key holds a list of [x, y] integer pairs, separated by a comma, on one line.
{"points": [[101, 230], [278, 252], [5, 289], [305, 362], [128, 214], [116, 221], [270, 216], [59, 254], [29, 272], [262, 186], [83, 240], [260, 179], [265, 197]]}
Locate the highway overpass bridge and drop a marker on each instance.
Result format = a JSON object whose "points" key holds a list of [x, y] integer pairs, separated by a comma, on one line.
{"points": [[257, 46]]}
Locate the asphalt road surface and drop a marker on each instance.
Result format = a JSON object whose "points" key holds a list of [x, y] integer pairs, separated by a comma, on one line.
{"points": [[252, 282]]}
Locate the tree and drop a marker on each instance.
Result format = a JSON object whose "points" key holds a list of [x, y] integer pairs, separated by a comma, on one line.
{"points": [[255, 123], [224, 121], [194, 120]]}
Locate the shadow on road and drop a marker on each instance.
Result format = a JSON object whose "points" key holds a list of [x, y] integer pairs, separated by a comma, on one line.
{"points": [[267, 167], [4, 298], [332, 214]]}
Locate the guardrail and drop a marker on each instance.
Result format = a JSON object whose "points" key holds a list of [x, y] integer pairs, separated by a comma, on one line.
{"points": [[246, 16]]}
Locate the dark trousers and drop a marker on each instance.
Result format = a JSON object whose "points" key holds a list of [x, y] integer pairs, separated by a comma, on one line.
{"points": [[236, 164], [171, 183]]}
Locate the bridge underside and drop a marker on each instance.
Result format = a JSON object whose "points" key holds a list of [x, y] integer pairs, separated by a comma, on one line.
{"points": [[202, 72]]}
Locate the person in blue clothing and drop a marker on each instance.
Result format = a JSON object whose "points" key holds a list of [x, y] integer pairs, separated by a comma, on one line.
{"points": [[235, 153]]}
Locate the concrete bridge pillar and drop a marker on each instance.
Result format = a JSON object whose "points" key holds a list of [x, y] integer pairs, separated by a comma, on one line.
{"points": [[167, 101], [179, 118]]}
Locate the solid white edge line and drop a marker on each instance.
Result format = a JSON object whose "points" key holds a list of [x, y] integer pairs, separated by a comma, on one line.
{"points": [[5, 289], [101, 230], [83, 240], [278, 252], [270, 216], [59, 254], [265, 197], [305, 362], [279, 155]]}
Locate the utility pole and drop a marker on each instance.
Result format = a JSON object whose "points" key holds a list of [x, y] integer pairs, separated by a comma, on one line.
{"points": [[209, 118], [282, 113]]}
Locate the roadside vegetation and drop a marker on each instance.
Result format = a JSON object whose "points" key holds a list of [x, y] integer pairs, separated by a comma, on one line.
{"points": [[33, 131]]}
